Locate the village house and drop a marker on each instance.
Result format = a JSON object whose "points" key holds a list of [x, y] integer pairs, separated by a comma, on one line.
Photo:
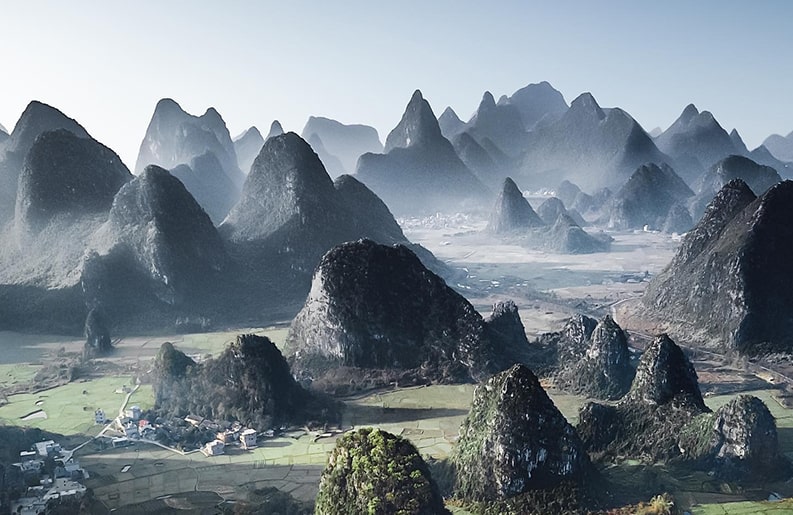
{"points": [[248, 439], [213, 448]]}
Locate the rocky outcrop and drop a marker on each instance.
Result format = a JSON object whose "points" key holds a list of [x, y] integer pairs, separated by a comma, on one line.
{"points": [[275, 130], [247, 146], [66, 176], [420, 172], [737, 442], [345, 142], [515, 440], [727, 285], [758, 177], [505, 325], [249, 382], [377, 308], [97, 334], [646, 423], [37, 119], [373, 471], [512, 212], [646, 199], [595, 364]]}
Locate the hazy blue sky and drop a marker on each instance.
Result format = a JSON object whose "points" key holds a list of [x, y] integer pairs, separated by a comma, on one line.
{"points": [[107, 63]]}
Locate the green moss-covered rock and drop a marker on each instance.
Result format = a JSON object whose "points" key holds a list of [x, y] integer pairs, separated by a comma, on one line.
{"points": [[514, 441], [738, 441], [375, 472]]}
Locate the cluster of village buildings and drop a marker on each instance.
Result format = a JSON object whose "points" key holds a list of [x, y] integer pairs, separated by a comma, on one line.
{"points": [[63, 482], [132, 427]]}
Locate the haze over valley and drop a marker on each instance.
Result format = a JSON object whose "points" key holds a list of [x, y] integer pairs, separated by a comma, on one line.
{"points": [[497, 280]]}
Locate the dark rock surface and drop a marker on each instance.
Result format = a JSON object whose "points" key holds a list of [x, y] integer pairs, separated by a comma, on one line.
{"points": [[515, 440], [247, 146], [727, 285], [587, 145], [647, 421], [420, 172], [737, 442], [375, 307], [97, 334], [646, 198], [597, 366], [164, 234], [66, 175], [505, 324], [373, 471], [512, 212], [345, 142], [249, 382], [758, 177], [35, 120]]}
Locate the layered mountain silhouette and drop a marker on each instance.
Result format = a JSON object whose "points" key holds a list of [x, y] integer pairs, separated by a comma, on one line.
{"points": [[346, 142], [377, 310], [588, 145], [175, 138], [646, 199], [758, 177], [65, 175], [420, 172], [512, 211], [489, 165], [727, 285], [537, 102], [781, 147], [451, 125], [332, 163], [696, 141], [501, 124], [247, 146], [35, 120]]}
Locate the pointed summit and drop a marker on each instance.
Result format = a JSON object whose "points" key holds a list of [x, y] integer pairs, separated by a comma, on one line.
{"points": [[729, 282], [689, 113], [537, 102], [512, 211], [781, 147], [37, 119], [450, 124], [488, 102], [247, 146], [585, 104], [737, 140], [418, 125], [501, 124], [287, 182], [275, 130]]}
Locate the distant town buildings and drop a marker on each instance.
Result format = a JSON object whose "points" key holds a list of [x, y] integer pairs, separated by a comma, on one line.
{"points": [[248, 439], [213, 448]]}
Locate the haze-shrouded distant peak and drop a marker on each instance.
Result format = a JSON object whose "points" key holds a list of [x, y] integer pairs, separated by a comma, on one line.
{"points": [[418, 125], [275, 130]]}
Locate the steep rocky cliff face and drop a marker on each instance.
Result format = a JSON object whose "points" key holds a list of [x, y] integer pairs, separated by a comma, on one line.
{"points": [[373, 471], [249, 381], [738, 441], [727, 285], [515, 440], [647, 421], [374, 307], [68, 176], [594, 363]]}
